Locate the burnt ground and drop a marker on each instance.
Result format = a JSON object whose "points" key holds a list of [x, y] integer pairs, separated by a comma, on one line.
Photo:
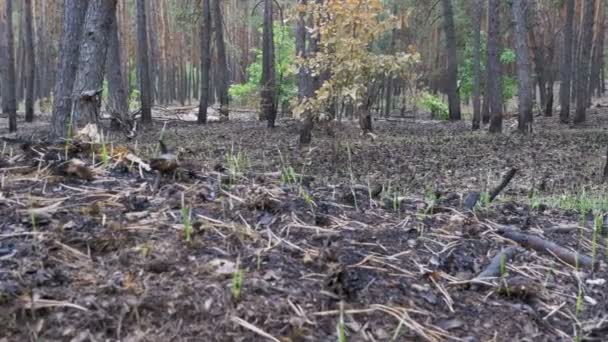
{"points": [[368, 233]]}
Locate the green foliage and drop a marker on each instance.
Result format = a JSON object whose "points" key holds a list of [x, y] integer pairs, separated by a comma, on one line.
{"points": [[434, 104], [509, 82], [248, 93]]}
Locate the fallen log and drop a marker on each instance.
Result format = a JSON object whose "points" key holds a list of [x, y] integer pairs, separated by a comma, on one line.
{"points": [[547, 247]]}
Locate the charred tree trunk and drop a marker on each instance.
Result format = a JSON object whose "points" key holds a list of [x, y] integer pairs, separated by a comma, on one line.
{"points": [[74, 12], [477, 64], [30, 63], [582, 80], [494, 87], [450, 35], [222, 64], [118, 102], [268, 92], [205, 61], [89, 79], [9, 96], [523, 68], [566, 67], [145, 94]]}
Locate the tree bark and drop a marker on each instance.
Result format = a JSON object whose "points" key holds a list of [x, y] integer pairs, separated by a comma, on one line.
{"points": [[523, 68], [145, 94], [74, 12], [268, 92], [222, 64], [118, 99], [9, 96], [31, 62], [90, 76], [584, 63], [450, 35], [494, 85], [477, 64], [205, 61], [537, 48]]}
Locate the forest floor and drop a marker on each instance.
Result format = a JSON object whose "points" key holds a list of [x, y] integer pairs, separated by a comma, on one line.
{"points": [[369, 235]]}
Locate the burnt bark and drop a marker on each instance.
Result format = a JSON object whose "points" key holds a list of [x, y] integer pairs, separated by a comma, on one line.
{"points": [[566, 67], [523, 68], [222, 64], [118, 99], [582, 80], [74, 12], [205, 61], [268, 92], [452, 77], [494, 86], [477, 64], [30, 68], [145, 93], [89, 79], [9, 96]]}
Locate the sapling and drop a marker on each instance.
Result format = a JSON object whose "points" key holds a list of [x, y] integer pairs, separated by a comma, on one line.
{"points": [[237, 281]]}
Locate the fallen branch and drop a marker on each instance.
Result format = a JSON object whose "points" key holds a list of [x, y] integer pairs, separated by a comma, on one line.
{"points": [[543, 246], [494, 267], [473, 197]]}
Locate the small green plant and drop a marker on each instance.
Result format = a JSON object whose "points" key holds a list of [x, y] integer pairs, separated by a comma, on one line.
{"points": [[341, 327], [236, 163], [503, 265], [597, 230], [580, 300], [237, 281], [434, 104], [34, 221], [186, 214]]}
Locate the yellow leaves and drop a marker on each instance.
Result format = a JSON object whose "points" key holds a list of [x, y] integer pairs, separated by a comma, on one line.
{"points": [[347, 31]]}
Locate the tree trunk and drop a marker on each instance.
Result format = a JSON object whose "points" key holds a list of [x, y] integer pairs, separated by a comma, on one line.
{"points": [[9, 97], [477, 64], [268, 92], [452, 77], [118, 101], [31, 62], [523, 68], [205, 61], [145, 94], [582, 80], [222, 64], [537, 48], [74, 13], [566, 67], [494, 69], [89, 79]]}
